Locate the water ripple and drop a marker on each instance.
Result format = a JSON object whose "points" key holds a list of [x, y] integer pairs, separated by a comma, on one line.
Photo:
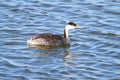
{"points": [[94, 50]]}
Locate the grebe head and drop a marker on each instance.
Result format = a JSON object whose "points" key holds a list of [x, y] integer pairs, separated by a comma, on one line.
{"points": [[72, 25]]}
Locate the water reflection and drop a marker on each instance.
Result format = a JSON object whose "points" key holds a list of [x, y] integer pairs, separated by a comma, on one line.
{"points": [[68, 54], [48, 47], [57, 52]]}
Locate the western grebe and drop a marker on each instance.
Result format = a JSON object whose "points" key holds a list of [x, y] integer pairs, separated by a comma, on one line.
{"points": [[48, 39]]}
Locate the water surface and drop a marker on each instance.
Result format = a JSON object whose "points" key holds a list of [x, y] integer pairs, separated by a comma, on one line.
{"points": [[94, 51]]}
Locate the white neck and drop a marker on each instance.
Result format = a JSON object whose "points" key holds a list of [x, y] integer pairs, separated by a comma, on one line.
{"points": [[67, 28], [66, 35]]}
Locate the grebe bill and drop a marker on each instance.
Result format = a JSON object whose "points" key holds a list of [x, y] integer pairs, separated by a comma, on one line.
{"points": [[48, 39]]}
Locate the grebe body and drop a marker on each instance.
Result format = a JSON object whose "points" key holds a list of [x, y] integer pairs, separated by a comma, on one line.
{"points": [[48, 39]]}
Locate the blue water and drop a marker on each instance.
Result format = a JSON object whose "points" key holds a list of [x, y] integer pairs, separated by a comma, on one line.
{"points": [[94, 53]]}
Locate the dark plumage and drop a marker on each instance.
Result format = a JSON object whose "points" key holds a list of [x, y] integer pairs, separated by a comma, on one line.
{"points": [[72, 23], [48, 39]]}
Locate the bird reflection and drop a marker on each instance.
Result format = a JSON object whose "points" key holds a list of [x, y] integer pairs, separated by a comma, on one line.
{"points": [[49, 47], [68, 55], [61, 51]]}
